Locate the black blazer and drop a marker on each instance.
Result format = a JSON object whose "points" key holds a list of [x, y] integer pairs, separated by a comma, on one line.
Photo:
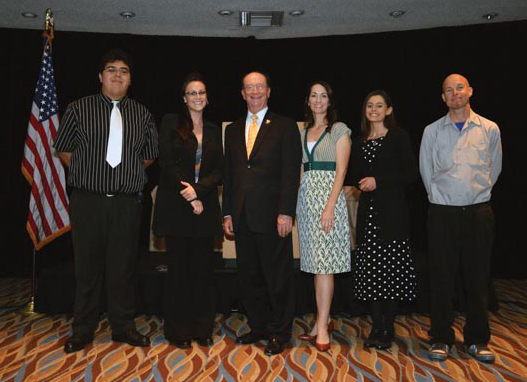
{"points": [[266, 183], [173, 214], [393, 168]]}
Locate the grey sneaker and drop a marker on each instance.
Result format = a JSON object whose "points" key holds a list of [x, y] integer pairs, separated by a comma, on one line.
{"points": [[438, 351], [480, 352]]}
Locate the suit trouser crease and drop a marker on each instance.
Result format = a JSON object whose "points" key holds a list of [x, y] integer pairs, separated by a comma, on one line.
{"points": [[265, 268]]}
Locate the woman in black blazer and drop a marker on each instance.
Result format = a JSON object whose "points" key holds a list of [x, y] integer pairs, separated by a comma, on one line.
{"points": [[382, 164], [187, 214]]}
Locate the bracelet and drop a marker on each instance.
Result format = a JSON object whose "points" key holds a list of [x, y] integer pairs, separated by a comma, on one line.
{"points": [[190, 201]]}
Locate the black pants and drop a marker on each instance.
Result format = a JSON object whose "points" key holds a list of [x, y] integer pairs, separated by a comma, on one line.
{"points": [[265, 269], [190, 299], [105, 234], [460, 239]]}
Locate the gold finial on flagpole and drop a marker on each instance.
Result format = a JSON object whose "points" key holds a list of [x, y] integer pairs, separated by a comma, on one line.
{"points": [[49, 26]]}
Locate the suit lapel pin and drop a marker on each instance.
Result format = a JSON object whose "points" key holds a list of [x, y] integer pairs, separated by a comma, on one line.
{"points": [[267, 121]]}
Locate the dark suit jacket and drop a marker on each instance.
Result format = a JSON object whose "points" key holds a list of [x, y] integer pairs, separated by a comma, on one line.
{"points": [[393, 168], [266, 183], [173, 214]]}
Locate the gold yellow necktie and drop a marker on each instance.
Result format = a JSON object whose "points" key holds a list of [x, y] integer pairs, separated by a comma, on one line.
{"points": [[251, 136]]}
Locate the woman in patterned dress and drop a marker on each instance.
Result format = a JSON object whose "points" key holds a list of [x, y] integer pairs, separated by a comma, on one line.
{"points": [[322, 214], [382, 164]]}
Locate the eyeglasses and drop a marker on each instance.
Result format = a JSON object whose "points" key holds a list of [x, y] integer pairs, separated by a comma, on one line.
{"points": [[250, 88], [195, 93], [113, 70]]}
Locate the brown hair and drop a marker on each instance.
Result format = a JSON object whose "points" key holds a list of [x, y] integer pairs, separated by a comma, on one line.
{"points": [[389, 120], [331, 113], [184, 124]]}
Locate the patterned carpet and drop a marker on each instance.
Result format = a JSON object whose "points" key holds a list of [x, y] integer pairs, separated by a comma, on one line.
{"points": [[31, 350]]}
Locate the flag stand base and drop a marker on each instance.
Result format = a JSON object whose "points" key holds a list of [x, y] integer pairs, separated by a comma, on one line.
{"points": [[29, 309]]}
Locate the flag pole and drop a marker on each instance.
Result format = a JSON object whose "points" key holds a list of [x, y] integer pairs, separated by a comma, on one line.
{"points": [[29, 309]]}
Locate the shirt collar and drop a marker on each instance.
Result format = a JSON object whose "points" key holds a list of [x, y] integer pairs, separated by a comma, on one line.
{"points": [[261, 114], [472, 120], [122, 102]]}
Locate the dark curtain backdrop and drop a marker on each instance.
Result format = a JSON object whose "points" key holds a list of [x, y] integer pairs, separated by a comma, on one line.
{"points": [[409, 65]]}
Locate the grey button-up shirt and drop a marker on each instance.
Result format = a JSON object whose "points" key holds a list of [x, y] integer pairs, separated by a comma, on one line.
{"points": [[459, 168]]}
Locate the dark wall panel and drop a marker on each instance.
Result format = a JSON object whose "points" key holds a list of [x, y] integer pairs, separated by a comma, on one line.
{"points": [[409, 65]]}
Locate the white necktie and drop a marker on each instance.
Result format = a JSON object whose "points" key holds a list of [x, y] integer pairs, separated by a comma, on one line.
{"points": [[115, 138]]}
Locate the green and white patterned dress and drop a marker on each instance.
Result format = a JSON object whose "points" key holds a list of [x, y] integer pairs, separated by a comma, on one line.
{"points": [[322, 253]]}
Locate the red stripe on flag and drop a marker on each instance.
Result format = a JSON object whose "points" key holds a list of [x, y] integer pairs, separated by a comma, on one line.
{"points": [[27, 170], [32, 228], [56, 178], [39, 128], [42, 215], [44, 186]]}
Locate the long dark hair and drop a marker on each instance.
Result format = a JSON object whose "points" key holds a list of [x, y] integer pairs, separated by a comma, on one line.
{"points": [[389, 120], [184, 124], [331, 113]]}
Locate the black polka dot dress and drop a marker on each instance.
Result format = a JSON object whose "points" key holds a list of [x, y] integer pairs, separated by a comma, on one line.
{"points": [[383, 268]]}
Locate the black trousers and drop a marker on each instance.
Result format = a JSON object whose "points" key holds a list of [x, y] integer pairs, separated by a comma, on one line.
{"points": [[460, 239], [265, 269], [105, 235], [190, 298]]}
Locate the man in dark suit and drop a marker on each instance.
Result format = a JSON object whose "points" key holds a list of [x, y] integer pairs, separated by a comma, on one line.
{"points": [[262, 169]]}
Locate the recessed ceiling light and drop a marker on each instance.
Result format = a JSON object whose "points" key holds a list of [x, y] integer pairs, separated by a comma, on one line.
{"points": [[225, 12], [127, 14], [396, 14], [490, 16], [29, 15], [296, 12]]}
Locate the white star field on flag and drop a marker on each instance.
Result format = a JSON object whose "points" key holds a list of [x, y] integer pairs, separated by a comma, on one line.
{"points": [[46, 96]]}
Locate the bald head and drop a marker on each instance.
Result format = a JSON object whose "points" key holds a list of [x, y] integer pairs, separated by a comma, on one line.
{"points": [[457, 93], [455, 78]]}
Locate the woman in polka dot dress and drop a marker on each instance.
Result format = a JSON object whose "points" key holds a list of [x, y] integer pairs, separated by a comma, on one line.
{"points": [[382, 163]]}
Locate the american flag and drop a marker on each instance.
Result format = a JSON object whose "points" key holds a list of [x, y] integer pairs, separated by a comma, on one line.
{"points": [[48, 215]]}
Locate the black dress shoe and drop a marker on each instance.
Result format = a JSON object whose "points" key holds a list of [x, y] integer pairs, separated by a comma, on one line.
{"points": [[385, 340], [131, 337], [77, 342], [373, 338], [204, 341], [181, 344], [274, 346], [250, 338]]}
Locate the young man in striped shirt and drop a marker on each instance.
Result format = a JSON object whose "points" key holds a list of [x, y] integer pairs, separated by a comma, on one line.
{"points": [[106, 140]]}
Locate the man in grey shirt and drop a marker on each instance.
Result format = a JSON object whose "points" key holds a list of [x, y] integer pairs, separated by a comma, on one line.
{"points": [[460, 161]]}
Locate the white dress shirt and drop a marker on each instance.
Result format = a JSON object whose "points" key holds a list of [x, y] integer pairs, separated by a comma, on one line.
{"points": [[260, 114]]}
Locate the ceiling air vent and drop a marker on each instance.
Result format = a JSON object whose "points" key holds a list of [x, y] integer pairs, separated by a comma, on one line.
{"points": [[261, 18]]}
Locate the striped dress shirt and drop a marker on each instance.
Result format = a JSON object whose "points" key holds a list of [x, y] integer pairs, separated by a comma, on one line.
{"points": [[84, 131]]}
